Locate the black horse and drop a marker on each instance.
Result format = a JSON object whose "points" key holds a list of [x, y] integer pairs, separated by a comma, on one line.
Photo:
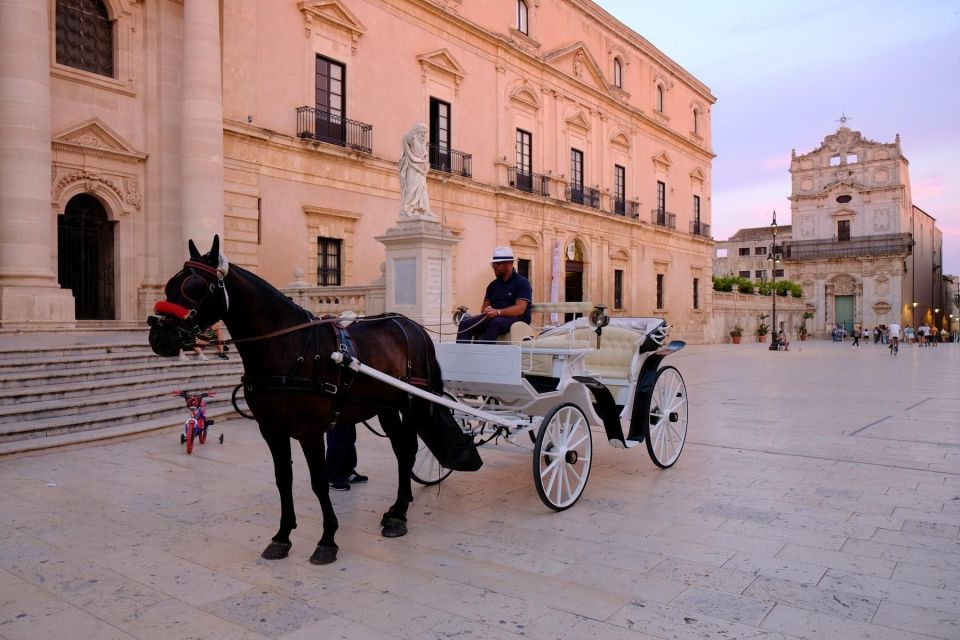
{"points": [[295, 390]]}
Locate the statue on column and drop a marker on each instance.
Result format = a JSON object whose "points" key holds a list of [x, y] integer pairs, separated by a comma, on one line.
{"points": [[414, 164]]}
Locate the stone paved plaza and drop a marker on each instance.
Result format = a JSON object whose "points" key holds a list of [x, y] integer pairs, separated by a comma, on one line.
{"points": [[818, 497]]}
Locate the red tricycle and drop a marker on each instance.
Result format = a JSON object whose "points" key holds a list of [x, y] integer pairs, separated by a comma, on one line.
{"points": [[197, 424]]}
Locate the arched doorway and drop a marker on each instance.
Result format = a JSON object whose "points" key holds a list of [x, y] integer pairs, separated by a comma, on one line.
{"points": [[85, 257]]}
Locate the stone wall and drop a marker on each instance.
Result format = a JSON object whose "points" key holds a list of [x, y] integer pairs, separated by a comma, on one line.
{"points": [[734, 308]]}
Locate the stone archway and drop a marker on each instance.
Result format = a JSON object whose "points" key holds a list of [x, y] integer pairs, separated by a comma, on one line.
{"points": [[85, 257], [844, 302]]}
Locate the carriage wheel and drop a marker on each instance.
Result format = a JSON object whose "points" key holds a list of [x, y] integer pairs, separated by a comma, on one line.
{"points": [[668, 418], [561, 456], [190, 429], [427, 470]]}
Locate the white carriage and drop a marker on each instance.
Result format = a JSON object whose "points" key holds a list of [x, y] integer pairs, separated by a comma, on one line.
{"points": [[548, 392]]}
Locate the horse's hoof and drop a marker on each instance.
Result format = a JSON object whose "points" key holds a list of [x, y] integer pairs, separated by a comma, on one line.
{"points": [[276, 550], [323, 554], [394, 528]]}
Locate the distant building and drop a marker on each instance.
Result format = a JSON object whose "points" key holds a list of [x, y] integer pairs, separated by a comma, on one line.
{"points": [[862, 251], [747, 253]]}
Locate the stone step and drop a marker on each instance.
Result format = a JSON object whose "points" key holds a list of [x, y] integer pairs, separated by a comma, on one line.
{"points": [[35, 362], [104, 370], [117, 393], [129, 430], [106, 416]]}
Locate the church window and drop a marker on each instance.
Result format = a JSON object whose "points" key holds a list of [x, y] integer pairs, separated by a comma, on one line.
{"points": [[835, 161], [843, 230], [696, 121], [85, 36], [659, 103], [851, 158], [617, 73], [844, 199]]}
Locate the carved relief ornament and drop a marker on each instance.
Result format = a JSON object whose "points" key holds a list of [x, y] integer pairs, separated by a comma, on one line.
{"points": [[334, 13]]}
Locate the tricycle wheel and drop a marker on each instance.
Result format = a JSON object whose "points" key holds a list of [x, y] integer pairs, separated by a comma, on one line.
{"points": [[427, 470], [203, 435], [668, 418], [191, 431], [221, 438], [562, 456], [183, 438]]}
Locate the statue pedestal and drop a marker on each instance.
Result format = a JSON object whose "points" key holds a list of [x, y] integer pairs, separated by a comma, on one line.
{"points": [[419, 280], [36, 306]]}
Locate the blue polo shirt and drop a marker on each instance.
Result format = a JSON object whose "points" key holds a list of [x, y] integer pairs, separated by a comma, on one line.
{"points": [[505, 294]]}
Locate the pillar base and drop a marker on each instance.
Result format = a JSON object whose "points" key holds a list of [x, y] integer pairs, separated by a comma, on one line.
{"points": [[36, 307]]}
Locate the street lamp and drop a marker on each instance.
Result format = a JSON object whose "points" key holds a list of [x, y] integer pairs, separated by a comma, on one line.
{"points": [[773, 272]]}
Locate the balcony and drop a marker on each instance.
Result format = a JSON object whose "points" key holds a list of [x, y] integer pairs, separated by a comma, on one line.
{"points": [[698, 228], [333, 128], [663, 218], [451, 161], [626, 208], [587, 196], [891, 244], [528, 182]]}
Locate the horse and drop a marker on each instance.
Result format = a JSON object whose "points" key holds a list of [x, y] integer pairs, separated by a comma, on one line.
{"points": [[295, 389]]}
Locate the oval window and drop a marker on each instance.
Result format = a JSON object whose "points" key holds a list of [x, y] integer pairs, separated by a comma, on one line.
{"points": [[844, 199]]}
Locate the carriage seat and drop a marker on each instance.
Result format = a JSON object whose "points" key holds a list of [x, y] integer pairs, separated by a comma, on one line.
{"points": [[614, 359], [520, 331]]}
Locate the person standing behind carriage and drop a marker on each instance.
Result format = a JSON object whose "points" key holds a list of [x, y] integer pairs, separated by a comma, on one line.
{"points": [[506, 301]]}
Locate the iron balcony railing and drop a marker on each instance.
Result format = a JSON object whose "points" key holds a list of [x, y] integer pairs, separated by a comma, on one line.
{"points": [[528, 181], [320, 125], [698, 228], [663, 218], [588, 196], [451, 161], [628, 208], [879, 245]]}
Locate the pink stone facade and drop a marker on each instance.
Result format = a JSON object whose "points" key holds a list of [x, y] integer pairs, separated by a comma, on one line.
{"points": [[552, 142]]}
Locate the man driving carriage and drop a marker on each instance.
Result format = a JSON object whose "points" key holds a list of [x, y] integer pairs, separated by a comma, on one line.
{"points": [[506, 301]]}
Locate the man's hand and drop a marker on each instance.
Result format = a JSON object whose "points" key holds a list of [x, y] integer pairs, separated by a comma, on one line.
{"points": [[490, 312]]}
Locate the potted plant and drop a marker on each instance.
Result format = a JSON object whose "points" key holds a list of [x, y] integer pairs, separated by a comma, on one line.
{"points": [[736, 333], [762, 327], [802, 327]]}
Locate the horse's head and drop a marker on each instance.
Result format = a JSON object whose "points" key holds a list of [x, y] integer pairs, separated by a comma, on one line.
{"points": [[196, 299]]}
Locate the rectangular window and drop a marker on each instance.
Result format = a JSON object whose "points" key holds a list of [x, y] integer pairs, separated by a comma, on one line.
{"points": [[619, 189], [843, 230], [661, 196], [696, 293], [522, 16], [744, 251], [524, 162], [439, 134], [328, 262], [659, 291], [696, 211], [759, 251], [744, 274], [618, 288], [760, 274], [330, 100], [576, 176], [778, 273], [523, 267]]}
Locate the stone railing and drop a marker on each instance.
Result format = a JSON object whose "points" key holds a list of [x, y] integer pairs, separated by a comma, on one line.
{"points": [[734, 308], [364, 300]]}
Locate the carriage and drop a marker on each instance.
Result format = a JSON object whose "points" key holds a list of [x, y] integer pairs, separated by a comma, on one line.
{"points": [[547, 392]]}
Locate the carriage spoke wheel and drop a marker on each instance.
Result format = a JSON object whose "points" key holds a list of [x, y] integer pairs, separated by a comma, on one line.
{"points": [[668, 418], [562, 455]]}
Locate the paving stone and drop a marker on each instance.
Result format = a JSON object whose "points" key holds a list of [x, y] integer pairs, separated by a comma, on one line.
{"points": [[894, 590], [909, 618]]}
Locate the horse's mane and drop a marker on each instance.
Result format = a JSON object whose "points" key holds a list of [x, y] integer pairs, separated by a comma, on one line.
{"points": [[274, 294]]}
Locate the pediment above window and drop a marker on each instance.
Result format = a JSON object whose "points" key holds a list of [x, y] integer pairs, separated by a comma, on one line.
{"points": [[95, 138], [333, 13], [578, 120], [441, 61], [697, 175], [620, 138], [662, 161], [576, 60]]}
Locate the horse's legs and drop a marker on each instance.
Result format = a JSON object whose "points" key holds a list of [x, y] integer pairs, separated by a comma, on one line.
{"points": [[279, 444], [313, 450], [403, 439]]}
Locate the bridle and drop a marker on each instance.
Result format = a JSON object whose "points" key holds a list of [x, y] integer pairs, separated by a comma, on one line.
{"points": [[184, 319]]}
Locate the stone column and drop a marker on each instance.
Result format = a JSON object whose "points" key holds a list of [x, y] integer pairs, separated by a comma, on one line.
{"points": [[201, 122], [30, 295]]}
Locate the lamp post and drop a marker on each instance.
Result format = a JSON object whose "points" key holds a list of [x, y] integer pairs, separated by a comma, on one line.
{"points": [[773, 273]]}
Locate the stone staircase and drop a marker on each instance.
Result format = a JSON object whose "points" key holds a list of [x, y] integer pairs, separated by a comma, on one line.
{"points": [[59, 390]]}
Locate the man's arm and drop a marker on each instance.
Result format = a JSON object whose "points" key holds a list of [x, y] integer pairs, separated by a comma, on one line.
{"points": [[517, 309]]}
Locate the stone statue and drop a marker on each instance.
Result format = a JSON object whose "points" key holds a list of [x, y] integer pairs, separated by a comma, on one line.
{"points": [[414, 163]]}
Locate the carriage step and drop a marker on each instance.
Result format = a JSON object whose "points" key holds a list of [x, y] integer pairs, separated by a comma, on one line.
{"points": [[624, 444]]}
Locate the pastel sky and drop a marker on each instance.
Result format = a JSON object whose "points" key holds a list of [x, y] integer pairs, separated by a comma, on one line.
{"points": [[783, 72]]}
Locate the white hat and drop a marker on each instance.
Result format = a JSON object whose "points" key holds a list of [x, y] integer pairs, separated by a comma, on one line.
{"points": [[502, 254]]}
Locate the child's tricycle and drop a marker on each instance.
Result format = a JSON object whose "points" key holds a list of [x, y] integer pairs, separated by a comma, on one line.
{"points": [[197, 424]]}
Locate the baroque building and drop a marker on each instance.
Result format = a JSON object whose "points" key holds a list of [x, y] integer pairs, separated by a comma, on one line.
{"points": [[864, 253], [131, 126]]}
